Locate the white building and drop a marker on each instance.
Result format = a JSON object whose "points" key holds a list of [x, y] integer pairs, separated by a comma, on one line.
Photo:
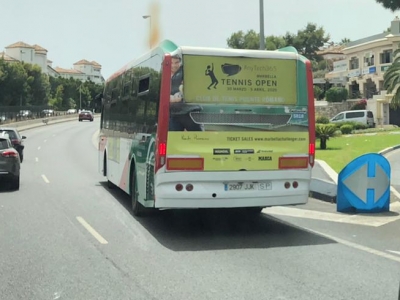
{"points": [[35, 54]]}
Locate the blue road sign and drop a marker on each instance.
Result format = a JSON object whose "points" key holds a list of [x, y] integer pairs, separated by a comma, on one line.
{"points": [[364, 185]]}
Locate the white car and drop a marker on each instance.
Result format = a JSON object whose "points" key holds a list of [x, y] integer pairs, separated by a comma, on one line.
{"points": [[71, 111]]}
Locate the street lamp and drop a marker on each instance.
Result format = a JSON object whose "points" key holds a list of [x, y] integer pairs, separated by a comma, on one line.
{"points": [[262, 38], [148, 17]]}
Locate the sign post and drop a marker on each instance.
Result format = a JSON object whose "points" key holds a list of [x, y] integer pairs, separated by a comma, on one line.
{"points": [[364, 185]]}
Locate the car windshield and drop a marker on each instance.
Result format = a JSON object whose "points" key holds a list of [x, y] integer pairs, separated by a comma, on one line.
{"points": [[11, 133]]}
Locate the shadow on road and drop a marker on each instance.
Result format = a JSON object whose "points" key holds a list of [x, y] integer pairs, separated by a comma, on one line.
{"points": [[217, 229]]}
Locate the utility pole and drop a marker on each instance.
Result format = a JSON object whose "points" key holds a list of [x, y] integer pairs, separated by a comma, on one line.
{"points": [[262, 38]]}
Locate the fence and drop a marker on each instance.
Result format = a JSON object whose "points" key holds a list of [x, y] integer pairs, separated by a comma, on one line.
{"points": [[10, 114]]}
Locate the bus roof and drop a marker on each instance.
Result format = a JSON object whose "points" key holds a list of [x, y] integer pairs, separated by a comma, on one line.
{"points": [[168, 46]]}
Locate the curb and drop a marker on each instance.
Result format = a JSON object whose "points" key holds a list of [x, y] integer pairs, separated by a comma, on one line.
{"points": [[42, 124], [327, 190]]}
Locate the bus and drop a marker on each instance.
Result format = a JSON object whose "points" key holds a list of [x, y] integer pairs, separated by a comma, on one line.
{"points": [[195, 127]]}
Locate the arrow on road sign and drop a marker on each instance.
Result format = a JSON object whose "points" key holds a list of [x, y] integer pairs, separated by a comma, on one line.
{"points": [[359, 183]]}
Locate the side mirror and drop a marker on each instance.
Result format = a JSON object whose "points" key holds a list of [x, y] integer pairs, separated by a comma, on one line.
{"points": [[23, 137]]}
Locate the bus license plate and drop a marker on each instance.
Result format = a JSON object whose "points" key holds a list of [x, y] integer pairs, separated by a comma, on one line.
{"points": [[245, 186]]}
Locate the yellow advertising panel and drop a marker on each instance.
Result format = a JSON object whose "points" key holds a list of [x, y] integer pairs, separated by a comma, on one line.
{"points": [[239, 80], [227, 151]]}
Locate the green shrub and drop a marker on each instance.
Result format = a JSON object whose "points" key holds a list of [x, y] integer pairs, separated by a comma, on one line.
{"points": [[346, 129], [322, 120], [336, 94]]}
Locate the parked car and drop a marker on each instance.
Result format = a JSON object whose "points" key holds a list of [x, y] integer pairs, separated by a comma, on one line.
{"points": [[16, 140], [71, 111], [10, 164], [365, 117], [86, 115]]}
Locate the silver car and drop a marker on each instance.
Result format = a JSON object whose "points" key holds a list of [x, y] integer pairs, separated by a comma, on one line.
{"points": [[9, 162]]}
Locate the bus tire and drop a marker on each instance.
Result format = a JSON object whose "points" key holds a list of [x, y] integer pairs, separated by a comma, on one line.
{"points": [[137, 208]]}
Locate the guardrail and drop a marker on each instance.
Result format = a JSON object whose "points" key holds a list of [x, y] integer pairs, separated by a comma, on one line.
{"points": [[29, 124]]}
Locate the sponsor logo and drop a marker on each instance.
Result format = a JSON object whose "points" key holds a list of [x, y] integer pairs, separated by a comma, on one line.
{"points": [[222, 151], [264, 151], [237, 158], [264, 158], [220, 158], [244, 151]]}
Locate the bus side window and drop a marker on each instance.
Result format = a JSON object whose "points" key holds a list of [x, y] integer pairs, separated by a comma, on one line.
{"points": [[144, 85]]}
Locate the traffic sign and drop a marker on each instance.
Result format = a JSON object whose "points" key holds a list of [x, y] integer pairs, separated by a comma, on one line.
{"points": [[364, 185]]}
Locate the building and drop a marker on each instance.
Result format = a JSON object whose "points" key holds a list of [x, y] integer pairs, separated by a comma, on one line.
{"points": [[35, 54], [366, 60]]}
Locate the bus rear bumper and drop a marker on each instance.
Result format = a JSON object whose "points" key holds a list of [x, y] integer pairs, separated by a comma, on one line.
{"points": [[250, 189]]}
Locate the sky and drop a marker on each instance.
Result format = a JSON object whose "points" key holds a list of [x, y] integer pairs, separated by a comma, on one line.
{"points": [[114, 32]]}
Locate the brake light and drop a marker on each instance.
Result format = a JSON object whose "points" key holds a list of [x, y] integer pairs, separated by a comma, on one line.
{"points": [[162, 149], [311, 154], [10, 153], [293, 162]]}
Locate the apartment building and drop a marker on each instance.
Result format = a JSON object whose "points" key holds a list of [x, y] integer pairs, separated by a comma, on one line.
{"points": [[35, 54]]}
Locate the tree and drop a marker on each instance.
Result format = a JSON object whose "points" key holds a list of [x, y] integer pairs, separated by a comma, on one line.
{"points": [[391, 79], [309, 40], [344, 41], [241, 40], [324, 132], [393, 5]]}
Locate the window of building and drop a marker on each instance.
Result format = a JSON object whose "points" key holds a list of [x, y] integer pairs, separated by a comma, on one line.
{"points": [[387, 56], [369, 59], [354, 63]]}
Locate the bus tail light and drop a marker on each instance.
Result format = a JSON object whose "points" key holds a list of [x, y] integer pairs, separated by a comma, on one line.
{"points": [[185, 164], [293, 162], [311, 154]]}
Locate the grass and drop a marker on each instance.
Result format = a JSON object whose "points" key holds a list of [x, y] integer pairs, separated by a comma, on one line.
{"points": [[342, 150]]}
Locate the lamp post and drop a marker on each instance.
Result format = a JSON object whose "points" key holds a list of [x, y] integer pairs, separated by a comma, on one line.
{"points": [[262, 38], [148, 17]]}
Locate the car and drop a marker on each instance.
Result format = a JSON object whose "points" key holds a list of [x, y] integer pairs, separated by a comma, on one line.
{"points": [[10, 164], [86, 115], [25, 114], [16, 139], [47, 113], [71, 111]]}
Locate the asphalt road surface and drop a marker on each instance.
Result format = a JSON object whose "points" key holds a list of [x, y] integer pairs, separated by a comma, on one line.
{"points": [[65, 235]]}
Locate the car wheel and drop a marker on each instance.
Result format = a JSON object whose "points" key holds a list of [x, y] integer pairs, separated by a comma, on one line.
{"points": [[80, 120], [137, 208], [15, 183]]}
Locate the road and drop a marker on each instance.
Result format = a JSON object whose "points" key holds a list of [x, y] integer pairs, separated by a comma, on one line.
{"points": [[394, 159], [64, 235]]}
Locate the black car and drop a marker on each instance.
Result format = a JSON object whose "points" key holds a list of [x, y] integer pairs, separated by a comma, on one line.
{"points": [[16, 139], [9, 162]]}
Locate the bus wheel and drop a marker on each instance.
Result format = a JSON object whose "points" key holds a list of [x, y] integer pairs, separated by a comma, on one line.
{"points": [[137, 207]]}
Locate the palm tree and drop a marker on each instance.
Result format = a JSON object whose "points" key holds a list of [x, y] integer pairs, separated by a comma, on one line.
{"points": [[391, 79], [324, 132]]}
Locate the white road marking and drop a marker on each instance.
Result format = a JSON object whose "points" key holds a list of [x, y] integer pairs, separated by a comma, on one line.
{"points": [[38, 148], [374, 220], [37, 159], [92, 231], [45, 179], [395, 252], [355, 246]]}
